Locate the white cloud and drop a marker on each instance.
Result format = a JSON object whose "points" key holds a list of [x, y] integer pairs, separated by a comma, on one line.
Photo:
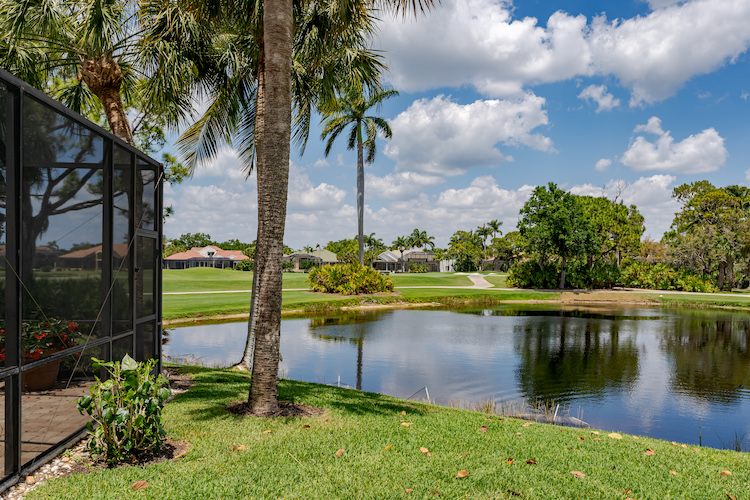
{"points": [[699, 153], [603, 164], [441, 137], [303, 196], [398, 186], [655, 55], [225, 165], [599, 94], [744, 95], [747, 175], [478, 43], [658, 4]]}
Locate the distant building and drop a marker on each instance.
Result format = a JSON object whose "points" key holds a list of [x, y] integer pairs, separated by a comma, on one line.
{"points": [[390, 260], [316, 258], [210, 256], [91, 258]]}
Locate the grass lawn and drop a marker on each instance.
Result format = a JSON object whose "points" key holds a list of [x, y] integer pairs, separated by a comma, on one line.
{"points": [[381, 457], [429, 279], [500, 281]]}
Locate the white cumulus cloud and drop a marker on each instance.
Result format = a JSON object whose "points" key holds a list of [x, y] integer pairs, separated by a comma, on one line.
{"points": [[598, 93], [398, 186], [603, 164], [479, 43], [696, 154], [441, 137]]}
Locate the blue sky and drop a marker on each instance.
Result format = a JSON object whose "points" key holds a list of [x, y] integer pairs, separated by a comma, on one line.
{"points": [[626, 99]]}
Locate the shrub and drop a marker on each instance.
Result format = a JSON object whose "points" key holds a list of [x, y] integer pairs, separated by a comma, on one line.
{"points": [[348, 279], [529, 274], [244, 265], [663, 277], [126, 409], [417, 268]]}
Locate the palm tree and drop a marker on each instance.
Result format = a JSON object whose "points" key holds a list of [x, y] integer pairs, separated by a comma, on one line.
{"points": [[351, 109], [484, 232], [420, 239], [96, 47], [495, 226], [401, 244]]}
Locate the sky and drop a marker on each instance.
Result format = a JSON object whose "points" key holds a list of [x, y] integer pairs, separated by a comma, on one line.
{"points": [[620, 98]]}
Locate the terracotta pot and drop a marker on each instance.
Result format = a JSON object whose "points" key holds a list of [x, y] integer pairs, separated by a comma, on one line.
{"points": [[41, 378]]}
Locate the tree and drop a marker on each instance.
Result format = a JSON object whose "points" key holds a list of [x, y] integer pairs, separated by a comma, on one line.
{"points": [[351, 108], [619, 228], [555, 227], [420, 239], [484, 232], [401, 244], [466, 247], [495, 226], [508, 248], [345, 250], [190, 240], [712, 229]]}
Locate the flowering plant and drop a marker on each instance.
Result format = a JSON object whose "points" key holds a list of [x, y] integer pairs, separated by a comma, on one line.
{"points": [[38, 337]]}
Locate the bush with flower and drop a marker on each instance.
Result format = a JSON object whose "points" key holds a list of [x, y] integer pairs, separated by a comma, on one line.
{"points": [[43, 336]]}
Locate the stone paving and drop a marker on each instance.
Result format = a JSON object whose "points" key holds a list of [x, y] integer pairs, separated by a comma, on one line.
{"points": [[48, 417]]}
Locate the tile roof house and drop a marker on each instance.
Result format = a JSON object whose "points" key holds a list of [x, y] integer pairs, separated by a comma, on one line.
{"points": [[210, 256], [91, 258]]}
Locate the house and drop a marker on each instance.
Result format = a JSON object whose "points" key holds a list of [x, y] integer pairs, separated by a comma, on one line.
{"points": [[390, 260], [209, 256], [316, 258], [91, 258]]}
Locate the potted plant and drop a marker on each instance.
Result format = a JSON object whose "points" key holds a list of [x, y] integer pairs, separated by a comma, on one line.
{"points": [[41, 338]]}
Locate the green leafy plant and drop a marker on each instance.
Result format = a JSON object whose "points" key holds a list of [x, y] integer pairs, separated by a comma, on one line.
{"points": [[126, 410], [417, 268], [244, 265], [348, 279]]}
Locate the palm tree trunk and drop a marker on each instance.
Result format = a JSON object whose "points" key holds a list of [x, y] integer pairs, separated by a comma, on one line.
{"points": [[360, 194], [103, 76], [246, 362], [273, 180]]}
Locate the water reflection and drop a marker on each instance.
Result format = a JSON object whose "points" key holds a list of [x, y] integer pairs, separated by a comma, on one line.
{"points": [[659, 372]]}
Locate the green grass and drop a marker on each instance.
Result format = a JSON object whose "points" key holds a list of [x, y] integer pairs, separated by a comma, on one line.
{"points": [[429, 279], [500, 281], [705, 300], [382, 458]]}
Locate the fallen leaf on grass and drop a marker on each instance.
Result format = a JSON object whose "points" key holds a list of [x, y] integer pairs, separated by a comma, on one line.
{"points": [[407, 424], [571, 448], [267, 432], [684, 445], [241, 447], [628, 491], [635, 437], [306, 426], [509, 461], [581, 438], [731, 497], [726, 473], [340, 452], [597, 439], [436, 492], [531, 461], [527, 424], [518, 433], [578, 474], [595, 432], [409, 490], [463, 455], [650, 452], [403, 412], [424, 450], [388, 447], [139, 485], [483, 428], [614, 435], [673, 443], [462, 473], [673, 472], [181, 455], [514, 493]]}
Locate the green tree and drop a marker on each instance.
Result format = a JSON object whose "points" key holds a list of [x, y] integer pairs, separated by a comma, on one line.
{"points": [[712, 229], [484, 232], [345, 250], [508, 248], [619, 228], [420, 239], [466, 247], [351, 108], [495, 226], [401, 244], [191, 240], [555, 226]]}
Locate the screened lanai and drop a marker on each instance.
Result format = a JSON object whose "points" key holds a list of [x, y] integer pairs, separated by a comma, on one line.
{"points": [[80, 233]]}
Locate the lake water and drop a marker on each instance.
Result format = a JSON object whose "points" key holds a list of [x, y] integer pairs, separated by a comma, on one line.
{"points": [[681, 375]]}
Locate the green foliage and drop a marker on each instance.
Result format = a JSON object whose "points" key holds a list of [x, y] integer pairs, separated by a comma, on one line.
{"points": [[416, 267], [529, 274], [244, 265], [126, 409], [346, 250], [348, 279], [468, 250], [190, 240], [663, 277], [306, 264]]}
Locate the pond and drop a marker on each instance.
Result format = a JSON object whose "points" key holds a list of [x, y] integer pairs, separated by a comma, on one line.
{"points": [[676, 374]]}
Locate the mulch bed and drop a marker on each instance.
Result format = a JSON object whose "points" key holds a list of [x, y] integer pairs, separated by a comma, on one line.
{"points": [[286, 409]]}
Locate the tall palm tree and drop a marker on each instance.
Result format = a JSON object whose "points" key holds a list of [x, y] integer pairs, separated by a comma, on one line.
{"points": [[351, 109], [420, 239], [401, 244], [484, 232], [495, 226], [96, 47]]}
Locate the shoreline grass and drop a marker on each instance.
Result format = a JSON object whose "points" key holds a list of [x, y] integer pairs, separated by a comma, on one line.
{"points": [[382, 457]]}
